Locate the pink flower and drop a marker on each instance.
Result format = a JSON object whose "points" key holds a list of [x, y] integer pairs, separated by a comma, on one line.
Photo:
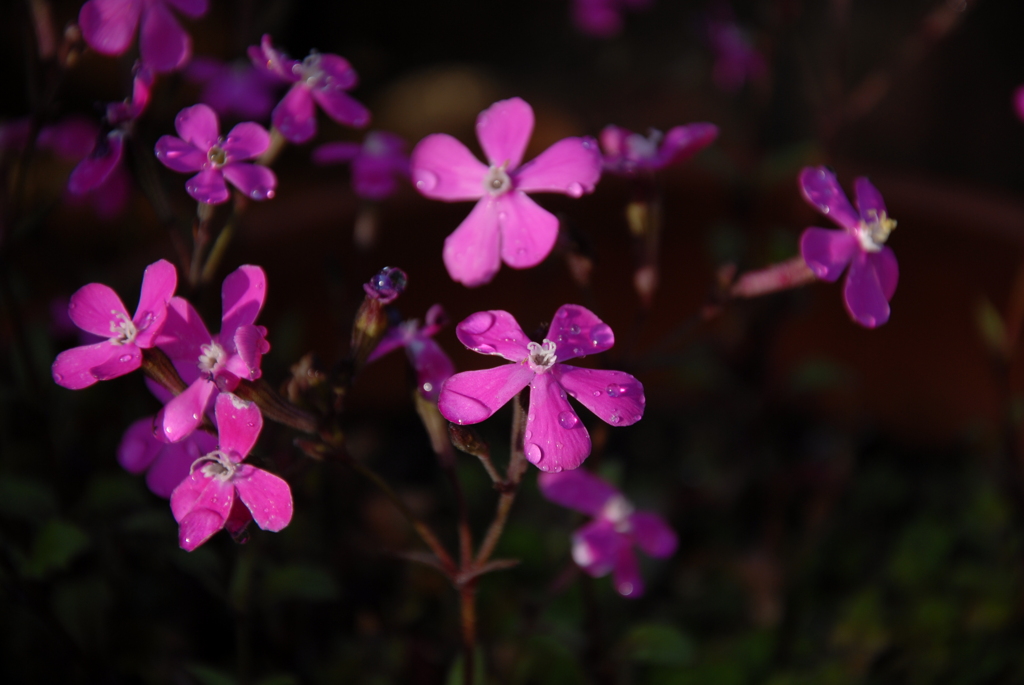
{"points": [[432, 365], [506, 225], [236, 88], [376, 164], [736, 59], [212, 364], [871, 278], [318, 78], [603, 18], [109, 26], [165, 464], [1018, 102], [206, 500], [201, 148], [555, 438], [627, 153], [97, 309], [606, 543]]}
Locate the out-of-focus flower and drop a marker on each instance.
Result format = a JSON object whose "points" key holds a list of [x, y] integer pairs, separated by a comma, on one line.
{"points": [[603, 18], [109, 27], [1018, 102], [505, 225], [97, 309], [233, 88], [201, 148], [223, 492], [431, 363], [319, 78], [736, 59], [873, 272], [555, 438], [627, 153], [377, 164], [165, 464], [606, 544], [213, 364]]}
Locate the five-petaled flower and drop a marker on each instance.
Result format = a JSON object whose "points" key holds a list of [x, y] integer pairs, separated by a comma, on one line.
{"points": [[377, 163], [627, 153], [166, 464], [108, 26], [201, 148], [319, 78], [873, 272], [212, 364], [506, 225], [555, 438], [606, 543], [431, 363], [97, 309], [223, 492]]}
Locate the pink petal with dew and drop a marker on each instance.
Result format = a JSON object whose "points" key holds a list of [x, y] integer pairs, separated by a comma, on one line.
{"points": [[432, 365], [472, 396], [528, 231], [555, 438], [254, 180], [177, 155], [242, 295], [472, 254], [127, 359], [336, 153], [251, 345], [444, 169], [200, 505], [92, 171], [651, 534], [494, 332], [571, 166], [342, 107], [198, 526], [108, 26], [827, 252], [158, 284], [174, 462], [163, 44], [596, 546], [863, 294], [246, 141], [504, 129], [578, 489], [191, 8], [869, 200], [183, 334], [614, 396], [238, 519], [201, 69], [198, 126], [267, 497], [626, 574], [392, 340], [73, 368], [267, 58], [184, 413], [613, 140], [340, 70], [820, 188], [208, 186], [238, 424], [295, 115], [96, 309], [138, 447], [683, 142], [577, 332]]}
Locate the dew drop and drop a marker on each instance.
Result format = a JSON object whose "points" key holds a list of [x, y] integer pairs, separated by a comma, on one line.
{"points": [[534, 453], [574, 190], [597, 393], [559, 445], [527, 435], [567, 419], [424, 180], [484, 349], [57, 377], [615, 418], [601, 335], [556, 469], [575, 330], [478, 323], [195, 417], [637, 417], [125, 358], [563, 313], [625, 589], [615, 390], [576, 350], [531, 417], [502, 216], [147, 319]]}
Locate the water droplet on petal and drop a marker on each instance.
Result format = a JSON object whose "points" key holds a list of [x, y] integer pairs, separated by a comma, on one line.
{"points": [[125, 358], [576, 350], [597, 393], [625, 589], [503, 216], [575, 330], [615, 418], [568, 419], [57, 377], [637, 417], [574, 190], [534, 453], [195, 417], [527, 435], [601, 335], [484, 349], [424, 180], [615, 390], [478, 323]]}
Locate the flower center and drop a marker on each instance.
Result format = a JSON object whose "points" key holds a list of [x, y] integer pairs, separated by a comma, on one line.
{"points": [[617, 511], [542, 357], [219, 466], [212, 358], [497, 181], [875, 231], [217, 156], [639, 147], [310, 72], [123, 331]]}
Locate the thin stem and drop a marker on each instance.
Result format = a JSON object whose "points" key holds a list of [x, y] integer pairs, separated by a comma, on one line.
{"points": [[467, 612], [516, 467], [200, 239]]}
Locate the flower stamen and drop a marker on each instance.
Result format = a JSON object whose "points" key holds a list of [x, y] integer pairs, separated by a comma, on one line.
{"points": [[212, 358], [123, 332], [873, 232], [497, 181], [541, 357]]}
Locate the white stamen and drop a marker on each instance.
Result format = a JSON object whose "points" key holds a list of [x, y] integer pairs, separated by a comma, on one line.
{"points": [[497, 181], [542, 357], [123, 332], [219, 466], [617, 510], [639, 147], [212, 358], [873, 233]]}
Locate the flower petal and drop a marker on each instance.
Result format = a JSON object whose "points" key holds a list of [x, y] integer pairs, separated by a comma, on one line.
{"points": [[163, 44], [108, 26], [184, 413], [577, 489], [73, 368], [503, 130], [827, 252], [571, 166], [651, 534], [138, 447], [254, 180], [336, 153], [191, 8], [868, 198], [555, 438], [862, 292], [251, 345], [577, 332], [200, 505], [432, 365], [198, 125], [239, 423], [96, 309], [614, 396], [820, 188], [596, 546], [528, 231], [95, 169], [340, 70], [444, 169], [472, 253], [246, 141], [242, 295], [494, 332], [626, 573], [342, 107], [295, 116], [183, 334], [126, 359], [267, 496], [174, 153], [683, 142], [267, 58], [208, 186], [472, 396], [158, 284], [198, 526], [887, 269], [174, 462]]}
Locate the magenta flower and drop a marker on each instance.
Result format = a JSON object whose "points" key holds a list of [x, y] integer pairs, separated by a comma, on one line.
{"points": [[603, 18], [213, 364], [165, 464], [432, 365], [606, 543], [201, 148], [871, 278], [627, 153], [233, 88], [736, 59], [506, 225], [1018, 102], [97, 309], [224, 492], [322, 79], [555, 438], [109, 27], [376, 164]]}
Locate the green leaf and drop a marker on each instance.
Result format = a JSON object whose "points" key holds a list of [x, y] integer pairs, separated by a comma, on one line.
{"points": [[55, 546], [479, 672], [26, 498], [656, 643]]}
